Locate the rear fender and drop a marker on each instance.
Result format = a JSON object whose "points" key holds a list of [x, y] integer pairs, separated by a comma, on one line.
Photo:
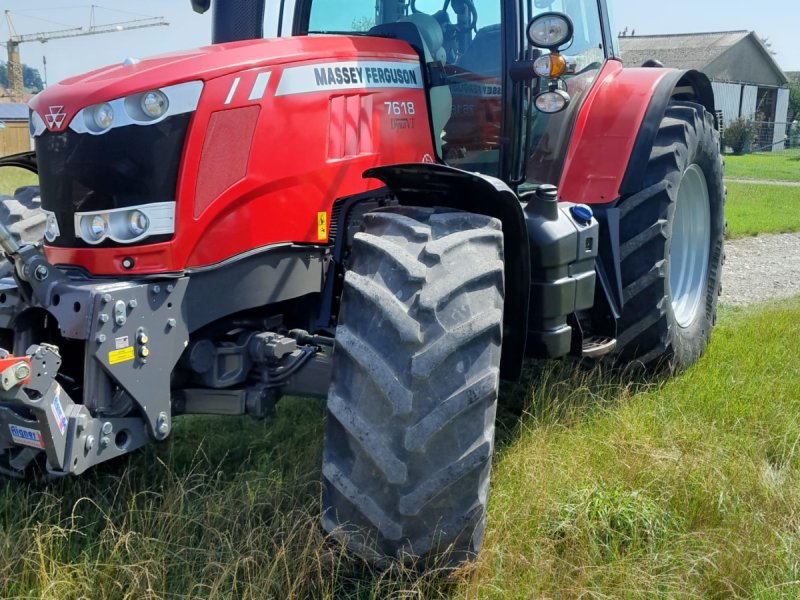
{"points": [[438, 185], [616, 128], [611, 145]]}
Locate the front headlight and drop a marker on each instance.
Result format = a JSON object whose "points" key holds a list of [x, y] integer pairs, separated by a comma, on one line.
{"points": [[154, 104], [138, 222], [93, 228], [126, 225], [102, 117]]}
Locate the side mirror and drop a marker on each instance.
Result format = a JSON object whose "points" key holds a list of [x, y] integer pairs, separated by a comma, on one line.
{"points": [[201, 6]]}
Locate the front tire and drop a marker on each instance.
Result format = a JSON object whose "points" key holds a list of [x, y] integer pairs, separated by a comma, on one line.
{"points": [[671, 236], [23, 216], [411, 408]]}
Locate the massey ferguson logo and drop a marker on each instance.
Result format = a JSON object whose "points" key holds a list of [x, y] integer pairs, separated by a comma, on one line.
{"points": [[55, 118]]}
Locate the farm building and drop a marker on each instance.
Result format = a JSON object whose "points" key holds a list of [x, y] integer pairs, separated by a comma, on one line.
{"points": [[14, 132], [746, 79]]}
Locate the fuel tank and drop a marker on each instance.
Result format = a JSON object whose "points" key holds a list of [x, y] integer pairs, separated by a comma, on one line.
{"points": [[243, 145]]}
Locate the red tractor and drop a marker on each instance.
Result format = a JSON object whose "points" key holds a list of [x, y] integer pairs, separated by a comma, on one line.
{"points": [[386, 204]]}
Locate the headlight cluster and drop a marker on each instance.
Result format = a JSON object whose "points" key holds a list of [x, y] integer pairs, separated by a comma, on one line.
{"points": [[126, 225], [138, 108], [144, 108]]}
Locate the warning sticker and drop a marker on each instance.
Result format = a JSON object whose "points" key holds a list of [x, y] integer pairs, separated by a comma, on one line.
{"points": [[26, 437], [121, 342], [58, 412], [120, 356], [322, 226]]}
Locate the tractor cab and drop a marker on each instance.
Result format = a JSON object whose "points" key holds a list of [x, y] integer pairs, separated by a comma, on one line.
{"points": [[483, 78], [481, 68]]}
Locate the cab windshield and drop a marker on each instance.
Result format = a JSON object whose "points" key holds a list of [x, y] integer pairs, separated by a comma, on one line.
{"points": [[466, 38]]}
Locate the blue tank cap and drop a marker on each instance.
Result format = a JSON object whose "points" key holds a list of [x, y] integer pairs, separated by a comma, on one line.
{"points": [[582, 213]]}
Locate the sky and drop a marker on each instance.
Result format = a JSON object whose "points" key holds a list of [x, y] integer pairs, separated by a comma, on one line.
{"points": [[779, 24]]}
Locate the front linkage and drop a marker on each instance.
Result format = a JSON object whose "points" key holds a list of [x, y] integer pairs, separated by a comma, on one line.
{"points": [[133, 335], [114, 379]]}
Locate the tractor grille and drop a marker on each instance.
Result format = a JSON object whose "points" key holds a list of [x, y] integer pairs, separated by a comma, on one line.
{"points": [[126, 166]]}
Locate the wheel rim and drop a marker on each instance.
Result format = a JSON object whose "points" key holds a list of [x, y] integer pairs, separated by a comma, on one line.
{"points": [[690, 249]]}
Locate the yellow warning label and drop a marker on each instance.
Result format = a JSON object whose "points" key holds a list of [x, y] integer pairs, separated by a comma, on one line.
{"points": [[120, 356], [322, 226]]}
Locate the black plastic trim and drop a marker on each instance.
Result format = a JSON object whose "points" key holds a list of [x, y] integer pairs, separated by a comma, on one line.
{"points": [[609, 40], [235, 20], [23, 160], [334, 275], [609, 273], [252, 280]]}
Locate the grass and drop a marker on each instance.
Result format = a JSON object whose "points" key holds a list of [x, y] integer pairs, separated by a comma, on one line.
{"points": [[778, 166], [602, 488], [13, 177], [754, 209]]}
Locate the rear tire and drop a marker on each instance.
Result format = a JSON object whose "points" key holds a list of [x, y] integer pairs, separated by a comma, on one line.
{"points": [[411, 408], [672, 236]]}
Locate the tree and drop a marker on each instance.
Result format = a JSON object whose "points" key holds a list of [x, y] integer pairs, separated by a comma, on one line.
{"points": [[739, 134], [363, 24], [768, 45], [794, 98], [31, 79]]}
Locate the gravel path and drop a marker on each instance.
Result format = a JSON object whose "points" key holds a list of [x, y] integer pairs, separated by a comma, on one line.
{"points": [[765, 182], [761, 268]]}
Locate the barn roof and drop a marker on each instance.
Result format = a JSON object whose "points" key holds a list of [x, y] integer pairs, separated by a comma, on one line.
{"points": [[683, 50], [13, 111], [689, 50]]}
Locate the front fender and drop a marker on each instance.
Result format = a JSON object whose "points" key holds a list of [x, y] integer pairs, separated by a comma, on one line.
{"points": [[438, 185]]}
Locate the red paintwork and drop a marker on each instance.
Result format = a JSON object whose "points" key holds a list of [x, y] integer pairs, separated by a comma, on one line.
{"points": [[307, 149], [11, 361], [477, 113], [605, 132]]}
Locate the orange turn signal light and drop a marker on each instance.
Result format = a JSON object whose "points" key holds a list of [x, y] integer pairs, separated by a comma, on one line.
{"points": [[551, 66]]}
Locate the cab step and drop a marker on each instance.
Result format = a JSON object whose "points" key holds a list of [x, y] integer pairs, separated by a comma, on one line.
{"points": [[597, 346]]}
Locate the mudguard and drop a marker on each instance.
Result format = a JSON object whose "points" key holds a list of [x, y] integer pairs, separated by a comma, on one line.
{"points": [[438, 185], [616, 127], [611, 143]]}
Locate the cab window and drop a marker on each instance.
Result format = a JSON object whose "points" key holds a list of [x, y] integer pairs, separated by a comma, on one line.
{"points": [[465, 38]]}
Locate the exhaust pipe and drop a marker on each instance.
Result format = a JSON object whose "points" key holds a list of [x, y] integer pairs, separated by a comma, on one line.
{"points": [[234, 20]]}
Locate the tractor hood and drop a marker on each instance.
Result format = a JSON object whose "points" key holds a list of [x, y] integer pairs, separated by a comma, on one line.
{"points": [[59, 103]]}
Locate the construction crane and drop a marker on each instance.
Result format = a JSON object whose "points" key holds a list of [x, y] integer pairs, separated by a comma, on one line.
{"points": [[15, 80]]}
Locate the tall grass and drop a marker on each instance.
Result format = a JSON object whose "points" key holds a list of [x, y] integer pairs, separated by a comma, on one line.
{"points": [[601, 488], [13, 177]]}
